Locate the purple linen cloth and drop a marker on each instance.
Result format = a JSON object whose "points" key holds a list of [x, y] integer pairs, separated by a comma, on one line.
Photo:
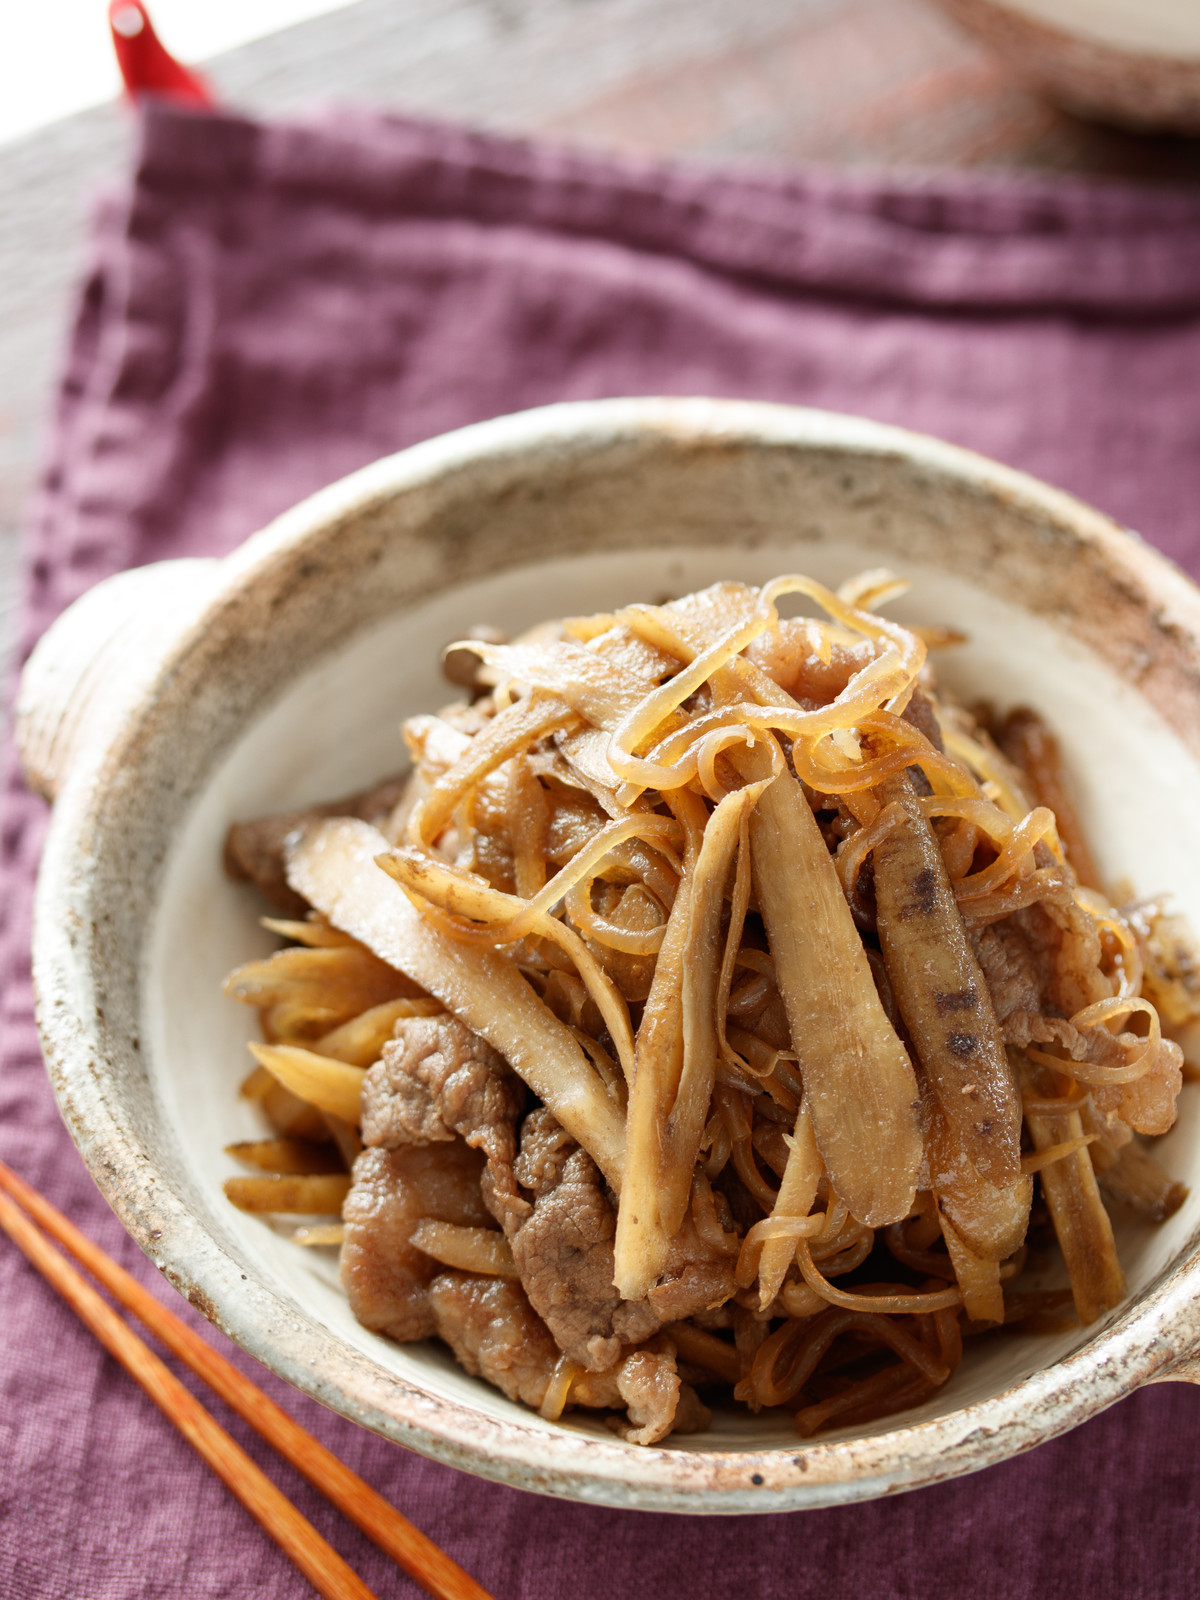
{"points": [[270, 307]]}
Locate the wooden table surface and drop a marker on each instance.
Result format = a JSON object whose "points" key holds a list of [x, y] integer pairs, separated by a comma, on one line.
{"points": [[878, 82]]}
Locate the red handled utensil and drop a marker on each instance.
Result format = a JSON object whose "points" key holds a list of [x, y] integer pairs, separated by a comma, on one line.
{"points": [[147, 66]]}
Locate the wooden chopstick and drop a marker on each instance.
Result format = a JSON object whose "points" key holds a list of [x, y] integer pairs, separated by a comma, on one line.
{"points": [[269, 1506], [428, 1565]]}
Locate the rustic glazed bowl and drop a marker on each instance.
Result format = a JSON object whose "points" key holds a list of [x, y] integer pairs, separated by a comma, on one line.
{"points": [[173, 699], [1134, 63]]}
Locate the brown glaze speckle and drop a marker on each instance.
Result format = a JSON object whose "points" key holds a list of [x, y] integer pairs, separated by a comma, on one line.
{"points": [[924, 896], [958, 1000]]}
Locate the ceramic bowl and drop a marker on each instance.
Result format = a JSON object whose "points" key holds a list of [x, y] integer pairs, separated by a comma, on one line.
{"points": [[1134, 63], [173, 699]]}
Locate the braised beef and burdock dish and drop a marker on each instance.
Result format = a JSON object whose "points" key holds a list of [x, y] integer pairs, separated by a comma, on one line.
{"points": [[717, 1011]]}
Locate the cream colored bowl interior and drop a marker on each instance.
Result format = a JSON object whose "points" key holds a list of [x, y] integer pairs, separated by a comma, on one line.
{"points": [[336, 727]]}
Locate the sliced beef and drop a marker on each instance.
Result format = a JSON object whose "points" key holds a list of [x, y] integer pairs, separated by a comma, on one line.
{"points": [[1147, 1104], [496, 1335], [1006, 962], [695, 1279], [564, 1254], [920, 714], [383, 1274], [437, 1079], [1065, 946], [1091, 1044], [254, 850], [546, 1147], [656, 1401]]}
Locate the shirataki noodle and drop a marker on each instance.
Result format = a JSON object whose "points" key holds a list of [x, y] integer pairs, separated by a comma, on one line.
{"points": [[712, 1019]]}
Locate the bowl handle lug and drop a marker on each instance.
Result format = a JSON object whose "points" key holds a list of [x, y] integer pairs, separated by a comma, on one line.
{"points": [[1184, 1370], [90, 663]]}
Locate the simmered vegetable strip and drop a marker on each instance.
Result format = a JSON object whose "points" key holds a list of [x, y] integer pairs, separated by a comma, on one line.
{"points": [[853, 852], [656, 867], [787, 1359], [333, 865], [797, 1193], [303, 993], [899, 745], [735, 1111], [529, 823], [859, 1085], [893, 670], [704, 1349], [677, 758], [291, 1116], [702, 955], [896, 1388], [874, 587], [891, 1303], [324, 979], [709, 1225], [986, 763], [706, 614], [317, 935], [257, 1084], [325, 1234], [1015, 859], [985, 815], [584, 757], [642, 1241], [484, 1250], [360, 1041], [978, 1279], [712, 647], [748, 700], [1038, 1160], [320, 1080], [780, 1230], [620, 645], [991, 1220], [739, 905], [708, 752], [942, 993], [1081, 1223], [887, 677], [313, 1196], [295, 1157]]}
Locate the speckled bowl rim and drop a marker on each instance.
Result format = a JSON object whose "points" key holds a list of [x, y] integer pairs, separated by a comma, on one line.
{"points": [[1160, 1327]]}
